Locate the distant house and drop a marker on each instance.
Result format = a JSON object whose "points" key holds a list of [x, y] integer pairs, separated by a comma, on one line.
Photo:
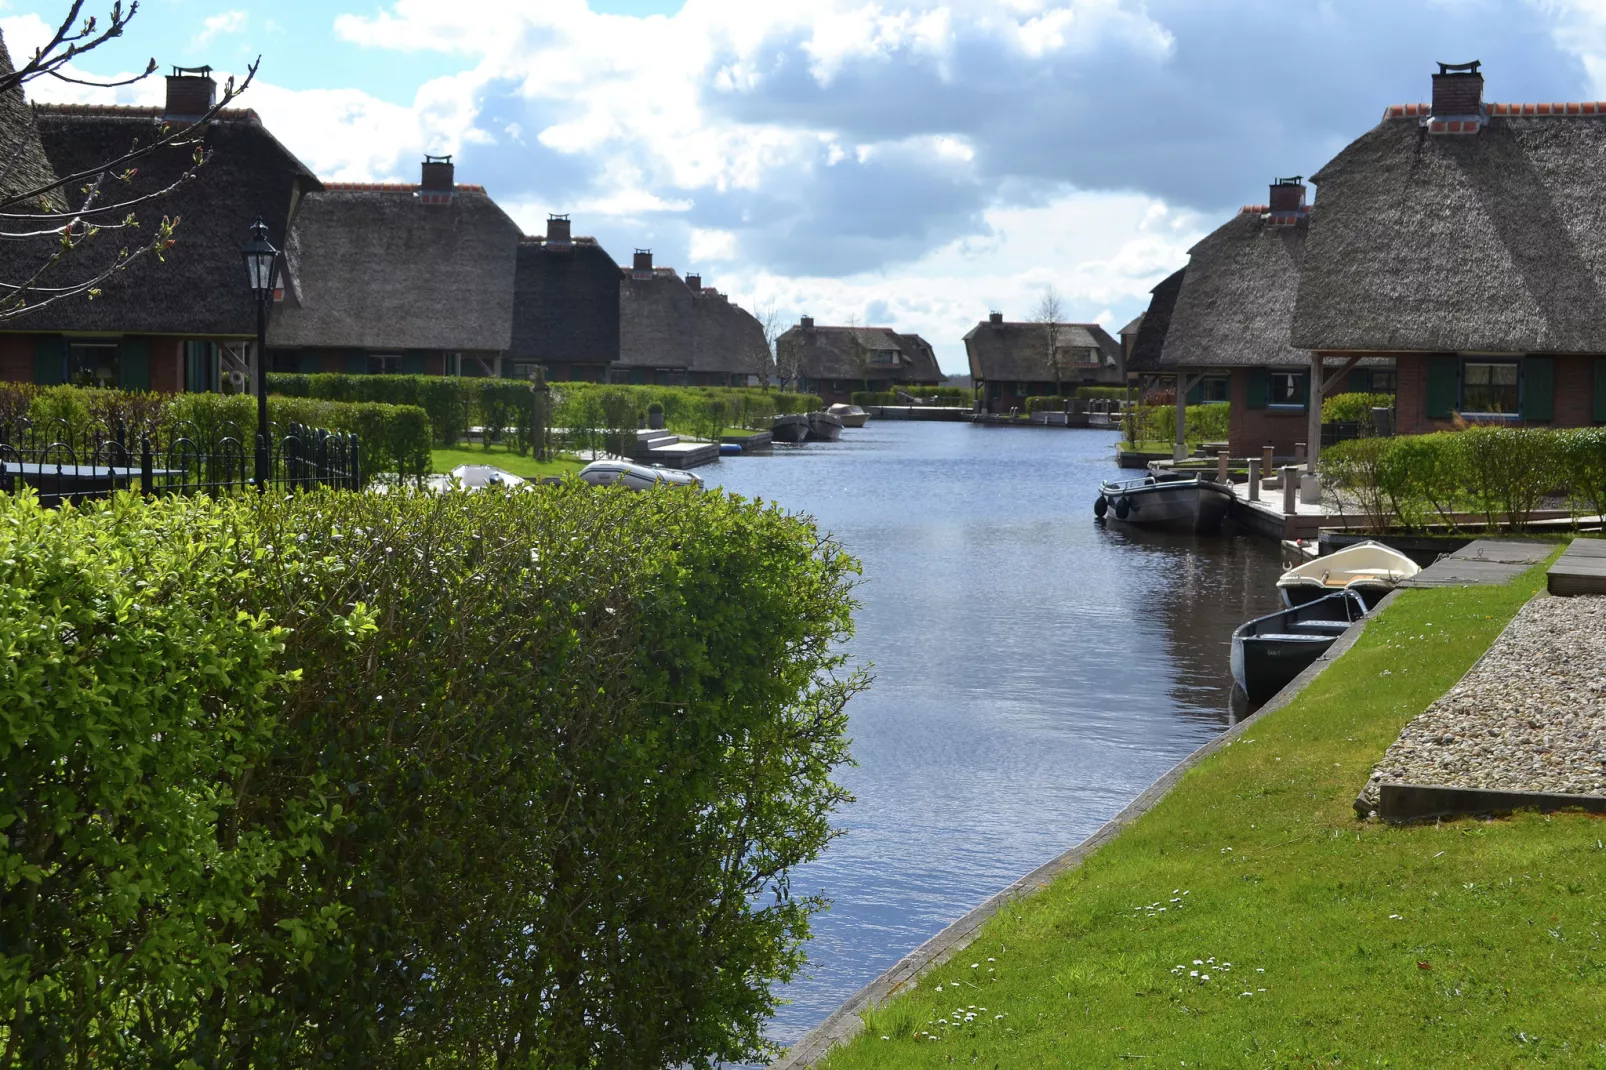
{"points": [[657, 325], [835, 362], [397, 278], [177, 323], [728, 347], [565, 306], [1467, 241], [1010, 362]]}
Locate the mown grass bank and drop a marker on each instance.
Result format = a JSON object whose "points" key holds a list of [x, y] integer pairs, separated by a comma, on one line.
{"points": [[1470, 943], [520, 464]]}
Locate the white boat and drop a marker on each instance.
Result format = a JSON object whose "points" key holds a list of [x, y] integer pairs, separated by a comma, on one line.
{"points": [[636, 476], [481, 476], [850, 415], [1370, 569], [824, 427], [1192, 503]]}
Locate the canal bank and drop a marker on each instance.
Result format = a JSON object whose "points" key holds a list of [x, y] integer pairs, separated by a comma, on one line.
{"points": [[1249, 919]]}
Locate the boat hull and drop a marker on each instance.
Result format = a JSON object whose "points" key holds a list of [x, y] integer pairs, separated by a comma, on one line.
{"points": [[823, 427], [792, 428], [1268, 652], [1370, 569], [850, 415], [1191, 504], [1304, 593]]}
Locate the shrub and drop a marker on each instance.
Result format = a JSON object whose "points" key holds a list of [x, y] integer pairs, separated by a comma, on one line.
{"points": [[1355, 408], [1581, 461], [1045, 403], [1205, 423], [1101, 393], [523, 784], [453, 403]]}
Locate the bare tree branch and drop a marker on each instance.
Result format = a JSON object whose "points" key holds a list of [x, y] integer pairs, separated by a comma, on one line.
{"points": [[1047, 316]]}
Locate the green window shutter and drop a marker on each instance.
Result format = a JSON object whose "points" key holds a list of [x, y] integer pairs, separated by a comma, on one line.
{"points": [[1196, 393], [412, 364], [1538, 388], [1600, 391], [1360, 381], [356, 362], [1304, 390], [134, 364], [50, 360], [1259, 387], [1444, 375]]}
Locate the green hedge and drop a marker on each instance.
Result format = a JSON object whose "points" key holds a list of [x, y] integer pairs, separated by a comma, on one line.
{"points": [[1355, 408], [1497, 474], [589, 413], [1158, 423], [425, 780], [1101, 393], [454, 404]]}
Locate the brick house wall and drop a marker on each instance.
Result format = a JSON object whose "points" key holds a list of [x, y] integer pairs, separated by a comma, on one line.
{"points": [[1573, 404], [16, 358], [1250, 430]]}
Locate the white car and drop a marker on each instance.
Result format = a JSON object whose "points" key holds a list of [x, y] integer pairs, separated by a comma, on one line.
{"points": [[636, 476]]}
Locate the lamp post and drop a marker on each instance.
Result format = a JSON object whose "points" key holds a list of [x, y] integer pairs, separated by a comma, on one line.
{"points": [[261, 265]]}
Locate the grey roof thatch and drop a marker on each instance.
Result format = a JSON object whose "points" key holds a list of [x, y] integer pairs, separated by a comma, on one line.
{"points": [[1150, 342], [1238, 296], [376, 267], [1006, 350], [1132, 326], [566, 302], [728, 340], [847, 353], [657, 323], [199, 288], [1489, 241], [25, 165]]}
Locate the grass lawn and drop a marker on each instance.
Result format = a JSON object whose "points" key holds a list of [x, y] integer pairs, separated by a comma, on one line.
{"points": [[1467, 943], [737, 432], [520, 465]]}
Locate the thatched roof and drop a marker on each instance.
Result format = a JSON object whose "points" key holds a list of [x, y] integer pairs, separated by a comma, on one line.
{"points": [[375, 267], [199, 288], [566, 302], [25, 165], [1491, 241], [1003, 350], [729, 340], [847, 353], [1237, 298], [1156, 322], [656, 320], [1132, 326]]}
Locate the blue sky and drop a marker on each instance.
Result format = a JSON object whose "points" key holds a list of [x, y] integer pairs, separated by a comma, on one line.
{"points": [[908, 162]]}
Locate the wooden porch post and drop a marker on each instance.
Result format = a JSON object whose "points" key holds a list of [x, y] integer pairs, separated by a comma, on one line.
{"points": [[1313, 440]]}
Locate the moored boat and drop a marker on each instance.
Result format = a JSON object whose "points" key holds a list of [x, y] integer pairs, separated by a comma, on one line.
{"points": [[1193, 503], [790, 427], [636, 476], [1269, 651], [1370, 569], [824, 427], [850, 415]]}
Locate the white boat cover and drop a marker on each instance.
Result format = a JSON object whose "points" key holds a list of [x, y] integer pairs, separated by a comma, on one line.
{"points": [[1365, 562]]}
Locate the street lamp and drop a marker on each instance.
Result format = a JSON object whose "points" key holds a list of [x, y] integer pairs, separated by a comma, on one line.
{"points": [[261, 265]]}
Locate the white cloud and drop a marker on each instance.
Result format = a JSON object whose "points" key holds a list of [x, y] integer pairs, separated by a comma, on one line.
{"points": [[1580, 28], [716, 245], [224, 23]]}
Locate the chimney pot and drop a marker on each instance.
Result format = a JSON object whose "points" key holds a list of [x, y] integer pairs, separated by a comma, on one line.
{"points": [[808, 323], [436, 176], [1458, 90], [191, 92], [557, 230], [995, 317], [641, 267], [695, 282], [1287, 201]]}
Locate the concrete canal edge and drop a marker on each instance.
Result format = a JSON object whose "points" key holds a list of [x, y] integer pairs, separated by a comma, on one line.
{"points": [[845, 1022]]}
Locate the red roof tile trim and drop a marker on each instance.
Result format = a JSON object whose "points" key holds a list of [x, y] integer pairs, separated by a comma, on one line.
{"points": [[1585, 107], [389, 187], [1255, 209]]}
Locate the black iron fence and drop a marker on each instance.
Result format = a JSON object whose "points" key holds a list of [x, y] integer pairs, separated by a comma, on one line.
{"points": [[66, 464]]}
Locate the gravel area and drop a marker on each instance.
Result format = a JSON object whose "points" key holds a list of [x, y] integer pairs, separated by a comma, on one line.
{"points": [[1530, 716]]}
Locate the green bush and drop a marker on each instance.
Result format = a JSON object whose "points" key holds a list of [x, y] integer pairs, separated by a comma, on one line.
{"points": [[1045, 403], [576, 407], [1355, 408], [1101, 393], [1205, 423], [523, 784], [454, 403]]}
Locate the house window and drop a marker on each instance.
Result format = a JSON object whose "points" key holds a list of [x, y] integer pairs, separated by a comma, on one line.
{"points": [[1490, 388], [884, 356], [92, 365], [384, 364], [1382, 382], [1023, 390], [1213, 388], [1287, 390]]}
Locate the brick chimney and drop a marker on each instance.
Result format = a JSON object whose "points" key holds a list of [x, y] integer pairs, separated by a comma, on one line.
{"points": [[1287, 201], [995, 317], [1457, 99], [437, 175], [641, 267], [807, 323], [557, 231], [191, 92], [694, 282]]}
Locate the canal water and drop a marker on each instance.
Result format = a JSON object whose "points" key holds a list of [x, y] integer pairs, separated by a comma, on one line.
{"points": [[1034, 668]]}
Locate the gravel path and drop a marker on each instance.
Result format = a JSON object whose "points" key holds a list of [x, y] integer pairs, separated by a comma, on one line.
{"points": [[1530, 716]]}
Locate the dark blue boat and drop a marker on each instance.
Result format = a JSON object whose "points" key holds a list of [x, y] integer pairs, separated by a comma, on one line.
{"points": [[1268, 652]]}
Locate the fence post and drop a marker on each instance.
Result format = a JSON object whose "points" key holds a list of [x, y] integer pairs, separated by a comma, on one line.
{"points": [[147, 467]]}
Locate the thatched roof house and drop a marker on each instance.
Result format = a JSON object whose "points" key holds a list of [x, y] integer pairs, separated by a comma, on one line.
{"points": [[1149, 341], [834, 362], [1010, 361], [728, 347], [657, 324], [1468, 239], [162, 323], [566, 304], [26, 166], [418, 275]]}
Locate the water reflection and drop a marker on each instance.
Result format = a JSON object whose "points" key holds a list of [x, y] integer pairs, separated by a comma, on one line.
{"points": [[1035, 669]]}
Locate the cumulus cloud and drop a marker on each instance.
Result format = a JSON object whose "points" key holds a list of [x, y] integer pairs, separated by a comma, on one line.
{"points": [[225, 23]]}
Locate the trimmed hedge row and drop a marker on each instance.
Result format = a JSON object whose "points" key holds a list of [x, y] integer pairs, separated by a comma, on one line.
{"points": [[393, 438], [424, 780], [1158, 423], [1498, 474], [591, 412], [454, 404], [1355, 407], [1101, 393]]}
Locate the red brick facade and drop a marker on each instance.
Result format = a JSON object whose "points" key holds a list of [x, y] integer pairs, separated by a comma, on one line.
{"points": [[1574, 403], [1250, 430]]}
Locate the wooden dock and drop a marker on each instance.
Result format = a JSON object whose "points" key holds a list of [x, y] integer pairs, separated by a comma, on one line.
{"points": [[1579, 570]]}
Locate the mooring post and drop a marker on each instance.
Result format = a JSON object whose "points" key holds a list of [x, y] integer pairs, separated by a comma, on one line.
{"points": [[1254, 479], [1299, 453], [1222, 474], [1290, 490], [1268, 461]]}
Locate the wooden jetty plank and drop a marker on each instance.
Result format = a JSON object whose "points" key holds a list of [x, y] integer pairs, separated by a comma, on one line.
{"points": [[1581, 569]]}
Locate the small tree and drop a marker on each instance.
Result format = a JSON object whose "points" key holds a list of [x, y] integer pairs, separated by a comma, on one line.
{"points": [[769, 318], [789, 361], [862, 356], [1047, 316], [59, 216]]}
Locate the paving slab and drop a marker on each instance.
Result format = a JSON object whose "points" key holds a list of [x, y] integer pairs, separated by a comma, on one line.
{"points": [[1483, 562], [1579, 570]]}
